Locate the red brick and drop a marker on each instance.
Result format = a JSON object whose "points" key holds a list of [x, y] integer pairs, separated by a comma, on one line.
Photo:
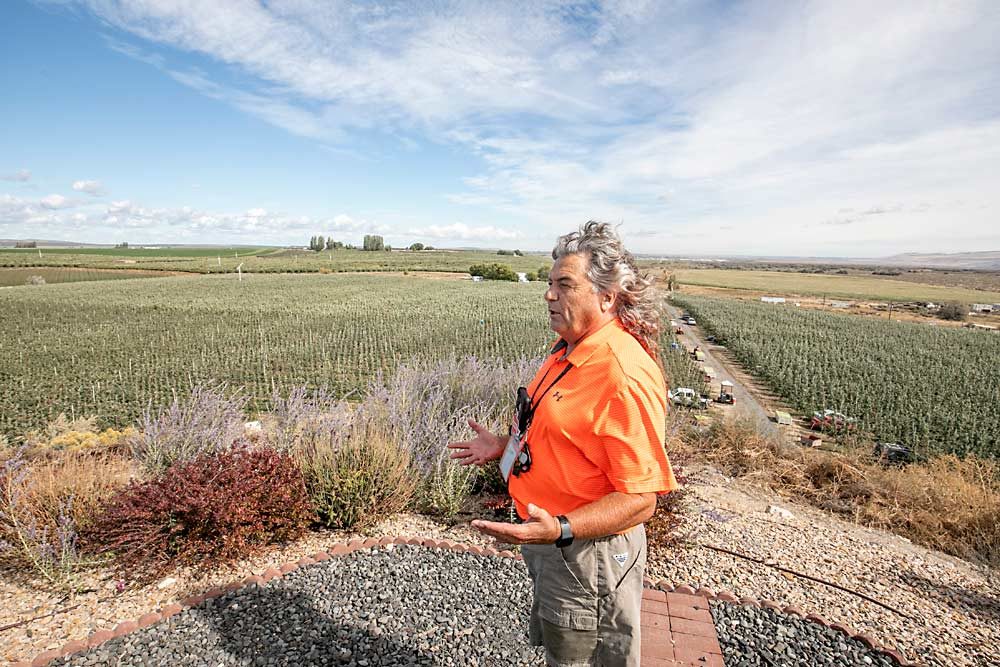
{"points": [[171, 610], [665, 585], [867, 640], [288, 567], [253, 581], [705, 592], [654, 595], [473, 549], [655, 607], [415, 541], [896, 656], [749, 602], [23, 663], [369, 543], [355, 544], [506, 554], [340, 549], [270, 573], [386, 541], [234, 586], [684, 589], [794, 610], [305, 560], [816, 618], [684, 600], [661, 662], [124, 628], [726, 596], [648, 583], [658, 649], [840, 627], [72, 647], [697, 643], [149, 619], [320, 556], [701, 614], [689, 627], [193, 600], [768, 604], [655, 621], [44, 658], [99, 637]]}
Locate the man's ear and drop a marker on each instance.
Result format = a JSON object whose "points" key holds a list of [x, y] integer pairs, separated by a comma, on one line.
{"points": [[607, 301]]}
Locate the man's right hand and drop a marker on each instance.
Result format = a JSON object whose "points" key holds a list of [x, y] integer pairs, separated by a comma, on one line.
{"points": [[483, 448]]}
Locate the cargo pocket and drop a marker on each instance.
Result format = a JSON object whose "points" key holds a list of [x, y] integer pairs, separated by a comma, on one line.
{"points": [[568, 587]]}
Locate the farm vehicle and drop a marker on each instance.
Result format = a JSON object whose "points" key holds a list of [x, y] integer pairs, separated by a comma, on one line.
{"points": [[688, 398], [831, 421], [726, 393]]}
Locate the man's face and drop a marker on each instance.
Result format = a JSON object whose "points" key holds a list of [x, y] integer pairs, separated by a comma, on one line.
{"points": [[574, 306]]}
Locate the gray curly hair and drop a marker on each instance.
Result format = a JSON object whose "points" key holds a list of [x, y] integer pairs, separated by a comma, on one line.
{"points": [[612, 269]]}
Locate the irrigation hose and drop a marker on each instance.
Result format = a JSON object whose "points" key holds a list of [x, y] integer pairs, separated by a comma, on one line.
{"points": [[781, 568]]}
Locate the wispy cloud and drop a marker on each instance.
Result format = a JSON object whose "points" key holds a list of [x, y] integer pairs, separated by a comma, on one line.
{"points": [[463, 232], [675, 118], [90, 187], [19, 176]]}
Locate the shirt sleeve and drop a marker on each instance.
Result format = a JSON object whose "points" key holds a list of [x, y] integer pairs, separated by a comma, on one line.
{"points": [[631, 427]]}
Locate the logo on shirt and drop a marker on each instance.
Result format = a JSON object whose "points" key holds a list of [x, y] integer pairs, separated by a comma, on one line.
{"points": [[621, 558], [557, 396]]}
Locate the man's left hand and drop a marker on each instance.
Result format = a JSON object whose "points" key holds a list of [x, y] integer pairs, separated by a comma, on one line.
{"points": [[540, 528]]}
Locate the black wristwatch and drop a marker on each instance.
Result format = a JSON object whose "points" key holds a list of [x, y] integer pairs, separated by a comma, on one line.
{"points": [[565, 532]]}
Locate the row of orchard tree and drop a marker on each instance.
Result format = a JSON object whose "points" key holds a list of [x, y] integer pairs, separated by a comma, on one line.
{"points": [[371, 242]]}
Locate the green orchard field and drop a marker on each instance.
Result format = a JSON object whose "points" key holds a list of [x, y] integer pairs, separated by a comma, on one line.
{"points": [[849, 287], [17, 277], [113, 348], [268, 260], [935, 388]]}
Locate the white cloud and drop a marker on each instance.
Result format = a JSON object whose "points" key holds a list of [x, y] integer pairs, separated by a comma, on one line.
{"points": [[461, 232], [19, 176], [56, 202], [90, 187]]}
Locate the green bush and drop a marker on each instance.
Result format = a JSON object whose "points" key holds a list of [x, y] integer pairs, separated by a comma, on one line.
{"points": [[355, 483], [494, 271]]}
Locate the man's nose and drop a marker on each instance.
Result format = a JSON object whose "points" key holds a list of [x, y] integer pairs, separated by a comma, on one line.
{"points": [[549, 294]]}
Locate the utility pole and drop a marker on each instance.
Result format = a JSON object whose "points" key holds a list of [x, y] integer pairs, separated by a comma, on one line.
{"points": [[890, 311]]}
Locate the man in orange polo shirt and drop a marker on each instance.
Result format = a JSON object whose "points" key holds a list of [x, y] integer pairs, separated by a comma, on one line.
{"points": [[587, 459]]}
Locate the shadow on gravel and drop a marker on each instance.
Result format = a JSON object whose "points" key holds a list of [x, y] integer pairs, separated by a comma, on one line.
{"points": [[982, 606], [269, 626]]}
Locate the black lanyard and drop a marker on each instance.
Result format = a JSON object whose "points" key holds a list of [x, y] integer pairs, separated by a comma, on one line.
{"points": [[533, 405]]}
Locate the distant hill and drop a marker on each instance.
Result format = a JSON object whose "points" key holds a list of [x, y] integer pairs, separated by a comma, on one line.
{"points": [[10, 243], [982, 261]]}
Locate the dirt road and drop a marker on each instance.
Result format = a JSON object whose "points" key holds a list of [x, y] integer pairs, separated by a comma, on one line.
{"points": [[746, 403]]}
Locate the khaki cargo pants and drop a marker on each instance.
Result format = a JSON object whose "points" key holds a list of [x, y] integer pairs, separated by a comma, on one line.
{"points": [[588, 599]]}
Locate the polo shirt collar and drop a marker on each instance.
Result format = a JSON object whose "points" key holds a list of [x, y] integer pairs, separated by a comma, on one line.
{"points": [[586, 347]]}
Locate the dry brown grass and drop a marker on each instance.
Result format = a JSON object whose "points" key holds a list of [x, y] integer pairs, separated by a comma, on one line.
{"points": [[79, 481], [945, 503]]}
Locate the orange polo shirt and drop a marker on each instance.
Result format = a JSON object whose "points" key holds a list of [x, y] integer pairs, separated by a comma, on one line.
{"points": [[599, 429]]}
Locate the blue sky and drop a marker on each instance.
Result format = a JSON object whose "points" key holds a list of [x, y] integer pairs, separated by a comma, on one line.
{"points": [[806, 128]]}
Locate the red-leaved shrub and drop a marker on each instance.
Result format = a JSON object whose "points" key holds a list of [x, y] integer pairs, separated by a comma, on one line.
{"points": [[216, 507]]}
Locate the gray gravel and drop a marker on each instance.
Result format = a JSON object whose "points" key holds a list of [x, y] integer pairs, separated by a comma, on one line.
{"points": [[414, 606], [752, 636]]}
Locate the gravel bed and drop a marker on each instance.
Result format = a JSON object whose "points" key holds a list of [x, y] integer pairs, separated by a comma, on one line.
{"points": [[397, 605], [752, 637], [952, 609]]}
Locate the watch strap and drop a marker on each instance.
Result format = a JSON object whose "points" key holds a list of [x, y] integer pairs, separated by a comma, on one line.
{"points": [[565, 532]]}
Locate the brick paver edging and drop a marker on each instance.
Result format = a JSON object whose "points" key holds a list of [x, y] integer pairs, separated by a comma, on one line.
{"points": [[726, 596], [650, 597]]}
